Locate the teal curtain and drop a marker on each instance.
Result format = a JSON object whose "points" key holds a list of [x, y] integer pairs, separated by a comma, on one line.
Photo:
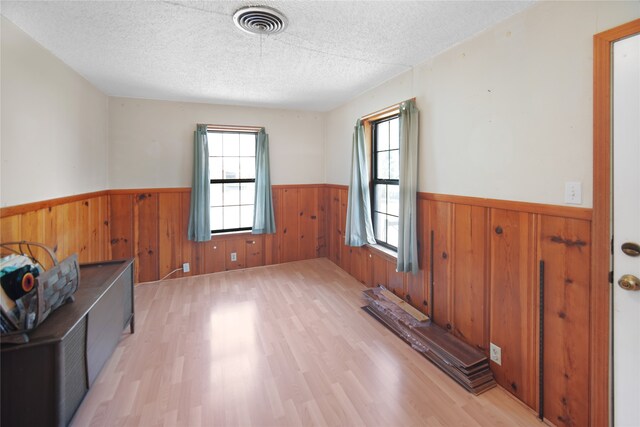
{"points": [[199, 224], [407, 233], [359, 227], [263, 219]]}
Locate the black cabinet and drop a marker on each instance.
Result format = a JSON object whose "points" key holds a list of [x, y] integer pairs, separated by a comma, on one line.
{"points": [[45, 380]]}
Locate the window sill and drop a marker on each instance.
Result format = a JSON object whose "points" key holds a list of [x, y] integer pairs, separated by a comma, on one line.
{"points": [[389, 253], [231, 234]]}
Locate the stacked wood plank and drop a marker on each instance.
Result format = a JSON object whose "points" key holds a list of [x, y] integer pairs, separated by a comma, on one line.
{"points": [[466, 365]]}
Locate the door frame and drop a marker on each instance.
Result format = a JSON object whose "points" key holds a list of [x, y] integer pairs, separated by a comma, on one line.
{"points": [[600, 301]]}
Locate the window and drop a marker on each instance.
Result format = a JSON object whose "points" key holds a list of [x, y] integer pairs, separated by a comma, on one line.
{"points": [[232, 171], [386, 180]]}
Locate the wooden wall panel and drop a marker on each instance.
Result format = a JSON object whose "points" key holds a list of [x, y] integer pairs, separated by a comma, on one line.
{"points": [[308, 223], [440, 216], [159, 222], [290, 226], [83, 237], [145, 237], [322, 209], [11, 228], [513, 301], [395, 280], [254, 251], [214, 256], [272, 254], [79, 226], [486, 283], [417, 285], [235, 246], [565, 248], [121, 214], [48, 216], [469, 276], [170, 234], [379, 269], [32, 228], [415, 291], [345, 255], [358, 263], [335, 228], [192, 252], [98, 228]]}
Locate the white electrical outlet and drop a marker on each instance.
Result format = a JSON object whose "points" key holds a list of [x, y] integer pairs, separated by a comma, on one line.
{"points": [[185, 267], [573, 193], [495, 353], [234, 256]]}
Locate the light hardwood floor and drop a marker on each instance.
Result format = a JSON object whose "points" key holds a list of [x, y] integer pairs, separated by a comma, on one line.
{"points": [[283, 345]]}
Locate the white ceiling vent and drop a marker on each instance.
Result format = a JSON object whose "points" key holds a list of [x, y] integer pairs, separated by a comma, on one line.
{"points": [[260, 20]]}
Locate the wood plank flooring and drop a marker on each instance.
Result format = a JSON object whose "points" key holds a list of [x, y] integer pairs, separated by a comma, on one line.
{"points": [[282, 345]]}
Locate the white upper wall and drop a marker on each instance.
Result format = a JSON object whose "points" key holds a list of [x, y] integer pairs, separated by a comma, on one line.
{"points": [[151, 142], [505, 115], [54, 125]]}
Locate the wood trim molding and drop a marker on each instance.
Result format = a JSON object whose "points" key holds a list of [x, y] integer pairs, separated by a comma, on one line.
{"points": [[337, 186], [122, 191], [288, 186], [600, 300], [553, 210], [538, 208], [49, 203]]}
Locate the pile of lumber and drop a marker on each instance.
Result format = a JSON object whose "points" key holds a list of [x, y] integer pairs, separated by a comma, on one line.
{"points": [[468, 366]]}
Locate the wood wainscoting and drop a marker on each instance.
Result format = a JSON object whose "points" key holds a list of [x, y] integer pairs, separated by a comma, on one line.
{"points": [[486, 288], [485, 270], [150, 225], [77, 224]]}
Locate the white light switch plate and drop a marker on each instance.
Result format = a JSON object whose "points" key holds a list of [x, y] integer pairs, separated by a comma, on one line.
{"points": [[573, 192]]}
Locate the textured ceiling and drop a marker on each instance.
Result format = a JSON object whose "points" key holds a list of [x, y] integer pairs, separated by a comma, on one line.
{"points": [[191, 51]]}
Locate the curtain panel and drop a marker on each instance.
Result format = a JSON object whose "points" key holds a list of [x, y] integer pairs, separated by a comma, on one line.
{"points": [[359, 226], [407, 228], [263, 218], [199, 222]]}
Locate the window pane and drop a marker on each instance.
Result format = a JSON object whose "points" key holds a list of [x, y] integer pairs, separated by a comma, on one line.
{"points": [[392, 231], [380, 198], [216, 195], [247, 167], [246, 216], [215, 167], [382, 136], [231, 168], [231, 217], [394, 164], [247, 144], [247, 190], [380, 226], [216, 218], [382, 165], [393, 200], [214, 140], [231, 194], [394, 134], [231, 144]]}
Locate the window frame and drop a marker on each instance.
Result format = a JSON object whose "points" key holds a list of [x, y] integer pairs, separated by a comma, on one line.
{"points": [[373, 124], [232, 130]]}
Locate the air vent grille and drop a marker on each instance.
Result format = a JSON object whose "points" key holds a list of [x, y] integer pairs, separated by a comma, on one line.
{"points": [[260, 20]]}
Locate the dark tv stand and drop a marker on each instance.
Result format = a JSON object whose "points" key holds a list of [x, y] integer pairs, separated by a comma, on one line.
{"points": [[45, 380]]}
